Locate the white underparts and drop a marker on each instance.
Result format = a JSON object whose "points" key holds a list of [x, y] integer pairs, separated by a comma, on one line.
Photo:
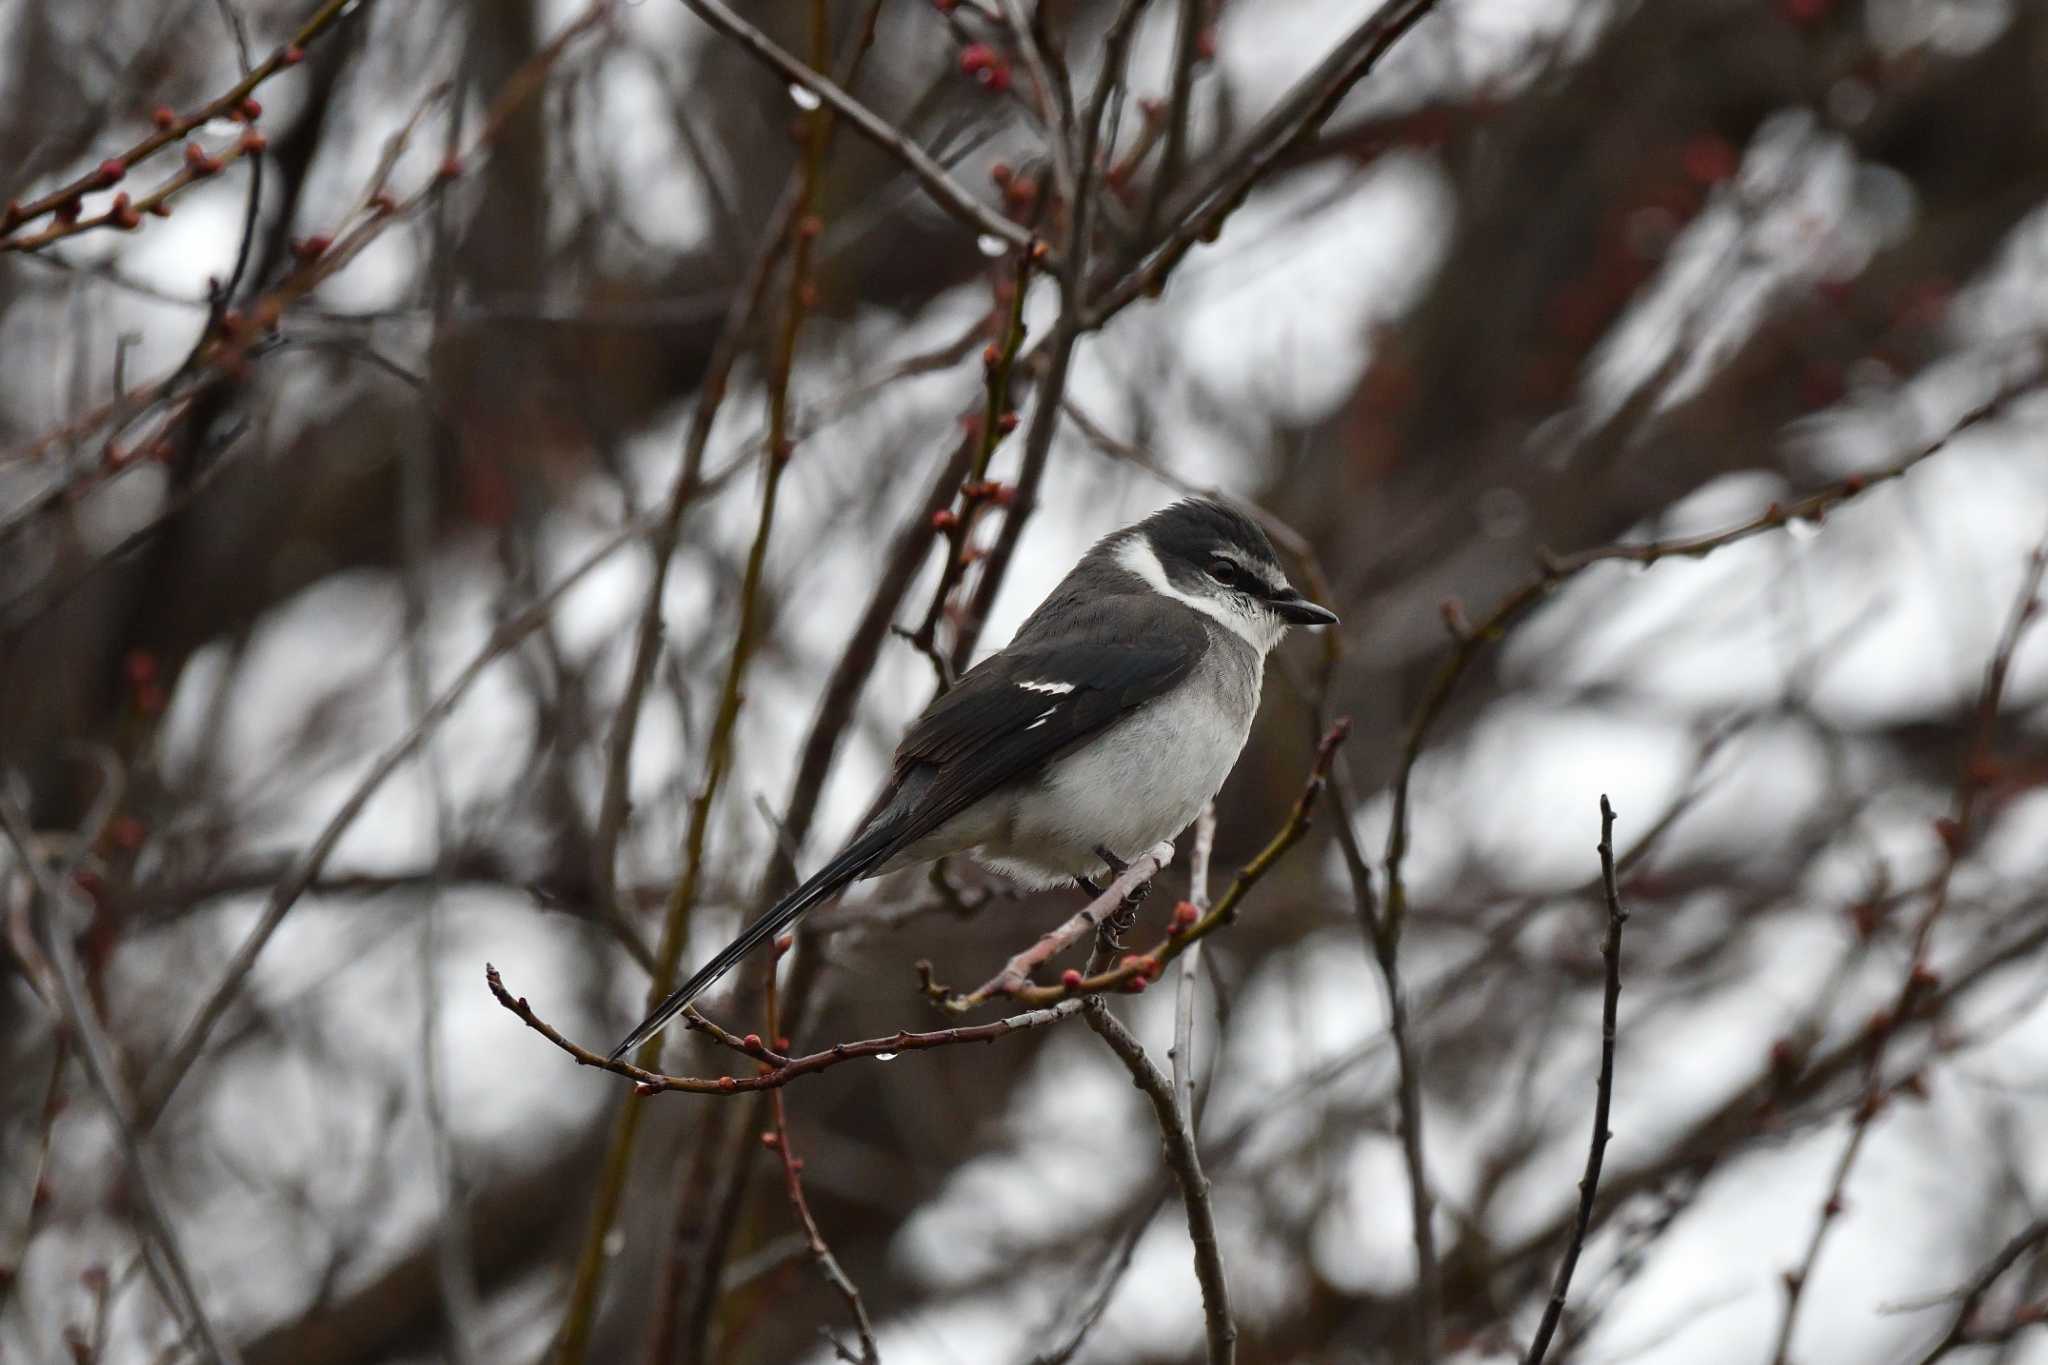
{"points": [[1137, 556]]}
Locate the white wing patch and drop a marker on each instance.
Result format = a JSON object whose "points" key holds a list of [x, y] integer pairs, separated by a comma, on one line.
{"points": [[1043, 716], [1052, 689]]}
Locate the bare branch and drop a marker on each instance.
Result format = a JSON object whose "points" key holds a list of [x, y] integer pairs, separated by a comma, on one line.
{"points": [[1186, 1164], [1603, 1094], [947, 192]]}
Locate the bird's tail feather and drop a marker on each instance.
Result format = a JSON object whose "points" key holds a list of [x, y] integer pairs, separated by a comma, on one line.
{"points": [[861, 856]]}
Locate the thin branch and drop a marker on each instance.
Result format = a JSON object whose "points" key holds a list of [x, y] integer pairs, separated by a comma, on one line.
{"points": [[97, 1053], [1296, 118], [947, 192], [1186, 1164], [792, 1183], [1187, 35], [305, 870], [770, 1075], [1016, 973], [1964, 1329], [1603, 1094], [803, 229], [225, 105], [1187, 983], [1957, 831]]}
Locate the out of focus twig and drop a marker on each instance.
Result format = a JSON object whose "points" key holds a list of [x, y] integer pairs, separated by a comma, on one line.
{"points": [[306, 868], [1964, 1329], [1957, 831], [944, 190], [97, 1053]]}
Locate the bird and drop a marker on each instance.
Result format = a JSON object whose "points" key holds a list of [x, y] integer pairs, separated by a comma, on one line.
{"points": [[1101, 729]]}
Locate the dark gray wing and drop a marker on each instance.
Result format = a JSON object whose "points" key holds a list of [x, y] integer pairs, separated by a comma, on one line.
{"points": [[1020, 708]]}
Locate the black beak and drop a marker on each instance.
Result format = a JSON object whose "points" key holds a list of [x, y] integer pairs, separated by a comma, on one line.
{"points": [[1297, 610]]}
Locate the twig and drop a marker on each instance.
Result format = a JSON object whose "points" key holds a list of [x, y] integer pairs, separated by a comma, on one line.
{"points": [[803, 228], [792, 1183], [1963, 1329], [1957, 831], [96, 1052], [1138, 970], [613, 804], [1059, 351], [223, 106], [944, 190], [1298, 115], [1016, 973], [1187, 35], [771, 1075], [976, 490], [1186, 1164], [1603, 1095], [306, 868], [1186, 984], [1470, 643]]}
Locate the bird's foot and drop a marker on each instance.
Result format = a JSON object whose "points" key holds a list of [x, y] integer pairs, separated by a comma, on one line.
{"points": [[1121, 920], [1088, 885]]}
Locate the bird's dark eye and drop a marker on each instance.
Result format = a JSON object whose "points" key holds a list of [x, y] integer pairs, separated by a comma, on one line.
{"points": [[1225, 572]]}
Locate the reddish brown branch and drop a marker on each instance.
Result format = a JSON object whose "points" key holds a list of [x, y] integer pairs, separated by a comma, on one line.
{"points": [[821, 1252], [771, 1075], [230, 104]]}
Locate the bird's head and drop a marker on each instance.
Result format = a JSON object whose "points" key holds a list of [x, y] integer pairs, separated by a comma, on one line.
{"points": [[1218, 561]]}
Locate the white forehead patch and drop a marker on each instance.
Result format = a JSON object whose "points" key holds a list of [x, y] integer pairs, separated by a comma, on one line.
{"points": [[1136, 556]]}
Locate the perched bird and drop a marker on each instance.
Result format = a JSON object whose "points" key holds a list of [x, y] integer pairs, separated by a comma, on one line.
{"points": [[1103, 728]]}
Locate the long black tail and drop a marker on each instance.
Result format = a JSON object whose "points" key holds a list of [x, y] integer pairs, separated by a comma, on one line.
{"points": [[874, 845]]}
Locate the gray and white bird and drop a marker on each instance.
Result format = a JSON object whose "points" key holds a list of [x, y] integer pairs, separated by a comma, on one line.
{"points": [[1103, 728]]}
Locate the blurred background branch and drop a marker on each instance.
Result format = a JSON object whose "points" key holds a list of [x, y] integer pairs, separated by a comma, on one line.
{"points": [[391, 415]]}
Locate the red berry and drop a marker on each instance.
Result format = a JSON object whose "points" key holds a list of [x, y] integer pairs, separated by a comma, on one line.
{"points": [[986, 65]]}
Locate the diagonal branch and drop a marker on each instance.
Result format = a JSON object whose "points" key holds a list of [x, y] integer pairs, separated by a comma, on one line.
{"points": [[943, 188]]}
